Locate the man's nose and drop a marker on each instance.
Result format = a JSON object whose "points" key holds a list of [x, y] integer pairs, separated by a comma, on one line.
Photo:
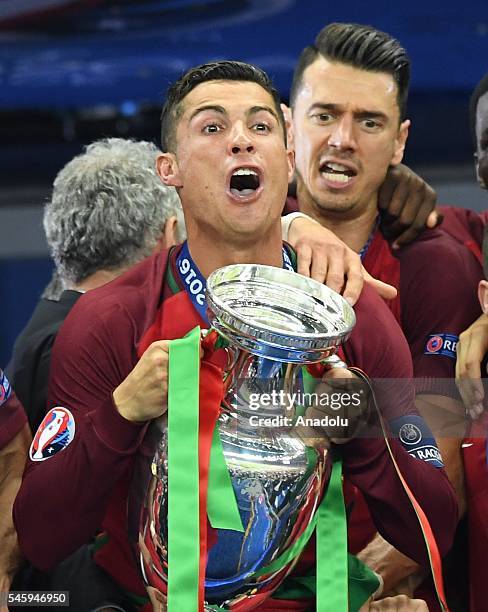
{"points": [[342, 136], [240, 140]]}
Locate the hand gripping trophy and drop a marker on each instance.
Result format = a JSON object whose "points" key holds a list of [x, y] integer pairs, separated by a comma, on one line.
{"points": [[263, 483]]}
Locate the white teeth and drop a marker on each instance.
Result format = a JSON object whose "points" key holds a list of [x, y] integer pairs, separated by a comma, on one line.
{"points": [[336, 178], [244, 172], [337, 167]]}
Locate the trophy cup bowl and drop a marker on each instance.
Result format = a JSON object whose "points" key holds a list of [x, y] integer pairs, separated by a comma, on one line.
{"points": [[274, 322]]}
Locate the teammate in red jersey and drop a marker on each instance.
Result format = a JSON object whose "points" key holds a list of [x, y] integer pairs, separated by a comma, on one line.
{"points": [[348, 113], [473, 343], [109, 364]]}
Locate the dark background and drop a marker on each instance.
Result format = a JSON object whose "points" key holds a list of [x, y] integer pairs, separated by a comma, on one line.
{"points": [[72, 72]]}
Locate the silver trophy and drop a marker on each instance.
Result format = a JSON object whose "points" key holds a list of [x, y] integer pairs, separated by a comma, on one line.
{"points": [[273, 322]]}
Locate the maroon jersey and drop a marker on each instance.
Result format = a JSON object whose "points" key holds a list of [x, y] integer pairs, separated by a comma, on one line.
{"points": [[466, 226], [65, 499], [437, 278]]}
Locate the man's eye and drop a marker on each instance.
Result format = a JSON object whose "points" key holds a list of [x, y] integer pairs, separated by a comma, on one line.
{"points": [[371, 124], [212, 128], [261, 127], [323, 117]]}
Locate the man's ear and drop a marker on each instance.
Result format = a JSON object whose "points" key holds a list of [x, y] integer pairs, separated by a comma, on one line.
{"points": [[483, 295], [290, 138], [290, 154], [167, 237], [170, 236], [400, 142], [167, 168]]}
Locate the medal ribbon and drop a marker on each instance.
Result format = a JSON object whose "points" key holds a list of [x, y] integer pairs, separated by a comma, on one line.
{"points": [[222, 509], [195, 283]]}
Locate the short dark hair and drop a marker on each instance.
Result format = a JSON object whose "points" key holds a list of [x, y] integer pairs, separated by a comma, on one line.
{"points": [[214, 71], [479, 91], [360, 46]]}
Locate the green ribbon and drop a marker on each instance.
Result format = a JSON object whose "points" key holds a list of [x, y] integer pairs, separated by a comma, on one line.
{"points": [[222, 510], [363, 582], [331, 525], [183, 498], [332, 577], [183, 474], [342, 582], [332, 574]]}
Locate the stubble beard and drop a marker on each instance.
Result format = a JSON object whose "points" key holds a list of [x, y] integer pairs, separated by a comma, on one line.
{"points": [[323, 204]]}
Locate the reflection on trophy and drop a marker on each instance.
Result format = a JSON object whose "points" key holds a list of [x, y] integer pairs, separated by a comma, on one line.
{"points": [[272, 323]]}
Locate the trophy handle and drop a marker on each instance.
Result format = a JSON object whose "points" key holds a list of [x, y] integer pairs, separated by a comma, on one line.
{"points": [[232, 353], [334, 361]]}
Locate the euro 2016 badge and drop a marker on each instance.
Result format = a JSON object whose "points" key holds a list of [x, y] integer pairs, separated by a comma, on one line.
{"points": [[55, 432]]}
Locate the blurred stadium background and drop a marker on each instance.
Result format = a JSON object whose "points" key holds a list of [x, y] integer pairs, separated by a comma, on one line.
{"points": [[74, 71]]}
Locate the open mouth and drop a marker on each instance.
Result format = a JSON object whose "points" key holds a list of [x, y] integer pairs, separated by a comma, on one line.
{"points": [[337, 173], [244, 182]]}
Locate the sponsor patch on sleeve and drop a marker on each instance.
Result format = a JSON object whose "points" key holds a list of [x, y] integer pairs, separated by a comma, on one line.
{"points": [[441, 344], [417, 439], [56, 431], [5, 388]]}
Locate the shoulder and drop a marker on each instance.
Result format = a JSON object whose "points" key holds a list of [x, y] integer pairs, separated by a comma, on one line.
{"points": [[463, 224], [39, 333], [370, 310], [377, 344], [378, 347], [438, 282], [437, 255], [129, 296], [431, 241], [47, 314], [96, 347], [117, 313]]}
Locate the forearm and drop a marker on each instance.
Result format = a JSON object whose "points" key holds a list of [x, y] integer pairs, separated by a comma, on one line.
{"points": [[446, 419], [392, 565], [368, 465], [12, 463]]}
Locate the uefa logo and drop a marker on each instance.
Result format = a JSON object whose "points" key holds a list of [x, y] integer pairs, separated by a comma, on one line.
{"points": [[410, 434], [434, 344]]}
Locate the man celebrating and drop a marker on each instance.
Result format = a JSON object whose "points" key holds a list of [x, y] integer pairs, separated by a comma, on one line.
{"points": [[473, 343], [348, 103], [225, 152]]}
